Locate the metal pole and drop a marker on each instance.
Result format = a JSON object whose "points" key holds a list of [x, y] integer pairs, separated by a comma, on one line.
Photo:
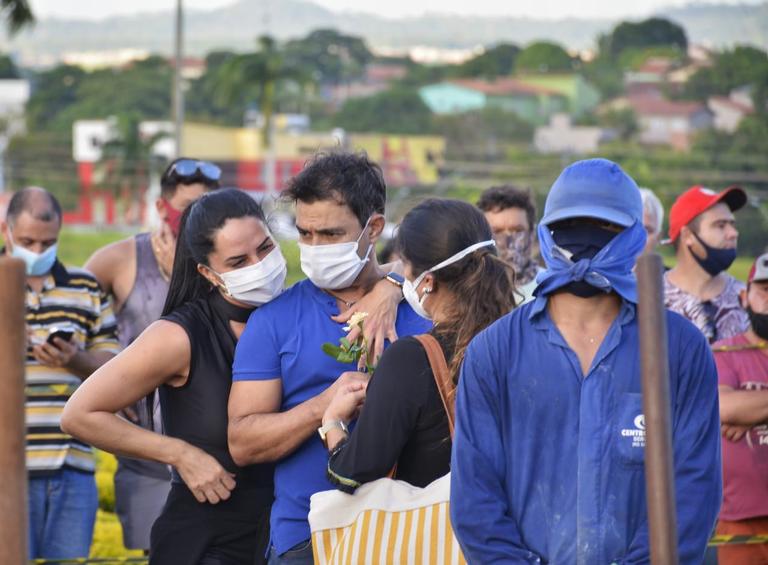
{"points": [[13, 487], [178, 91], [659, 475]]}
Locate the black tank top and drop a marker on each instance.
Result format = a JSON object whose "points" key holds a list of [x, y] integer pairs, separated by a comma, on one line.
{"points": [[197, 411]]}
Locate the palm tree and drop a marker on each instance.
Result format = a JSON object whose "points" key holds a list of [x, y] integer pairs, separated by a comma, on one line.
{"points": [[259, 76], [127, 160], [17, 14]]}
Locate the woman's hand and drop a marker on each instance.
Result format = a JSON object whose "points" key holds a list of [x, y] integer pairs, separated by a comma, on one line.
{"points": [[204, 476], [381, 305], [346, 403]]}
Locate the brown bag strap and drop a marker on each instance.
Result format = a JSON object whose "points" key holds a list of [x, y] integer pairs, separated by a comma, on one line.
{"points": [[442, 375]]}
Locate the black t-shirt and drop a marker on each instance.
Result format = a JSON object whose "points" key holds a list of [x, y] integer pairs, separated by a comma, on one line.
{"points": [[197, 411], [403, 421]]}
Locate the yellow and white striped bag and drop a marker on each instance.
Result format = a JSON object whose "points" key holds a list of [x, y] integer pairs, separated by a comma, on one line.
{"points": [[385, 522]]}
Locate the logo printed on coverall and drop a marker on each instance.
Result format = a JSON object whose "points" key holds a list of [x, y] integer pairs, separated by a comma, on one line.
{"points": [[637, 433]]}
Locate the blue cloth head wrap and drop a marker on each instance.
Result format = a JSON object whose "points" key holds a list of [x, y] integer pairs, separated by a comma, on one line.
{"points": [[609, 270]]}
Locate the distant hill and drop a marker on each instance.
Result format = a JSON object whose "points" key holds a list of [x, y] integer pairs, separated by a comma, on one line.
{"points": [[235, 27]]}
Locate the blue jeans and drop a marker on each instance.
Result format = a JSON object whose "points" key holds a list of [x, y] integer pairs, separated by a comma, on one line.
{"points": [[62, 512], [299, 554]]}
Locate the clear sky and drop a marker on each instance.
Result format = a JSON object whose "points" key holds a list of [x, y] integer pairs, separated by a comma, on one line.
{"points": [[96, 9]]}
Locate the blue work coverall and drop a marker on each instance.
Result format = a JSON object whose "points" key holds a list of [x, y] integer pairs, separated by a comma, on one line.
{"points": [[547, 464]]}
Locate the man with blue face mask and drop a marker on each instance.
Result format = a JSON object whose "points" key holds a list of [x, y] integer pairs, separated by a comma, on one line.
{"points": [[548, 459], [283, 382], [71, 333], [702, 228]]}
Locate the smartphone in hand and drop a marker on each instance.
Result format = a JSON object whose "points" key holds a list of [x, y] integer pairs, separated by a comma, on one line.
{"points": [[66, 335]]}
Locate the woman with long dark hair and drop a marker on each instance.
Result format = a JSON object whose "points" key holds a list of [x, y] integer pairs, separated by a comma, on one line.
{"points": [[226, 264], [453, 277]]}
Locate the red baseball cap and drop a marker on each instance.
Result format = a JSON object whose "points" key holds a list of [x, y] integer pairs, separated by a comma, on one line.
{"points": [[696, 200], [759, 270]]}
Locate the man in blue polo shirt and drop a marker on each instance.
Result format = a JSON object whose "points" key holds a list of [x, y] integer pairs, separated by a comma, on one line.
{"points": [[548, 454], [282, 379]]}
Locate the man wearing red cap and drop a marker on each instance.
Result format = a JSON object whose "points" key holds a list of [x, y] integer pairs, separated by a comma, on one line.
{"points": [[742, 366], [703, 230]]}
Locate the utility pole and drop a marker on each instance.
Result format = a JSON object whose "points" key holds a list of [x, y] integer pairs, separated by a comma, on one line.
{"points": [[178, 91]]}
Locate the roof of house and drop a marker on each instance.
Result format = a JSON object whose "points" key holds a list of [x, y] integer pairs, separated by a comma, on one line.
{"points": [[657, 106], [730, 103], [385, 73], [504, 87], [656, 65]]}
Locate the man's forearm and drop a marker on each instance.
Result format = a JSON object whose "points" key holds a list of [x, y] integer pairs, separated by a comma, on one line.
{"points": [[744, 407], [262, 438], [85, 363]]}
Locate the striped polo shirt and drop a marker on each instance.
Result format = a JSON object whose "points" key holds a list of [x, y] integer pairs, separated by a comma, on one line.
{"points": [[71, 300]]}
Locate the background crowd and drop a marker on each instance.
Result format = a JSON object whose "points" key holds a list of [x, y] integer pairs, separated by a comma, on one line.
{"points": [[214, 403]]}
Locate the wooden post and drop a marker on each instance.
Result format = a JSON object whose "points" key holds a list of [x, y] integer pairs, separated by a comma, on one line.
{"points": [[659, 462], [13, 486]]}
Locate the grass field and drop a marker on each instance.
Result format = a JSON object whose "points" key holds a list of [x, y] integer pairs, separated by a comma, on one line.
{"points": [[74, 249]]}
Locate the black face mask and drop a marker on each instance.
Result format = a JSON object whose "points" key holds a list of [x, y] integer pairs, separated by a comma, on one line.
{"points": [[584, 242], [759, 323], [716, 261]]}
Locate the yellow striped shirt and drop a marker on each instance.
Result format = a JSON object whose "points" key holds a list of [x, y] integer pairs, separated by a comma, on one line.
{"points": [[71, 300]]}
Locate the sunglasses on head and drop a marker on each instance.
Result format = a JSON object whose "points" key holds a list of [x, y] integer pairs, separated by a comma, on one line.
{"points": [[189, 167]]}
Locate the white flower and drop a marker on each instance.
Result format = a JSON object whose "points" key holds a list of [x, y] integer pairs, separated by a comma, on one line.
{"points": [[356, 320]]}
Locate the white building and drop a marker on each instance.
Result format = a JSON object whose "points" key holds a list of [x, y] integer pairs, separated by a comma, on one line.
{"points": [[561, 136], [729, 111]]}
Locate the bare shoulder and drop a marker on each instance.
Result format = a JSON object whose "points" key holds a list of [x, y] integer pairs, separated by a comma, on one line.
{"points": [[168, 346], [110, 262], [165, 335]]}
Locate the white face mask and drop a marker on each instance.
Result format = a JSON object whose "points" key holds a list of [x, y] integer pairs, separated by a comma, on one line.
{"points": [[410, 293], [259, 283], [336, 265]]}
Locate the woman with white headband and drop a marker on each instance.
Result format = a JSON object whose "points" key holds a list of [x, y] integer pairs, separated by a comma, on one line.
{"points": [[453, 277]]}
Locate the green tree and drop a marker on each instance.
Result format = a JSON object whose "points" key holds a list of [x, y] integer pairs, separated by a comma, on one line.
{"points": [[493, 62], [486, 131], [257, 76], [740, 66], [652, 32], [204, 102], [332, 56], [544, 57], [8, 68], [623, 121], [66, 94], [127, 158], [399, 110], [17, 14]]}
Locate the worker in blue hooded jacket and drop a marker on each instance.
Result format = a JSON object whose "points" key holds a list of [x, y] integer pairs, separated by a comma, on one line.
{"points": [[547, 463]]}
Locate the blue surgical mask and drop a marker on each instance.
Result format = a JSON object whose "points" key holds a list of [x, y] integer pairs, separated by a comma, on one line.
{"points": [[38, 264]]}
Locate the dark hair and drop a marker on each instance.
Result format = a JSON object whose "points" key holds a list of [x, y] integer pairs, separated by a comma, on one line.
{"points": [[499, 198], [170, 180], [24, 201], [348, 178], [484, 285], [199, 224], [386, 253], [694, 225]]}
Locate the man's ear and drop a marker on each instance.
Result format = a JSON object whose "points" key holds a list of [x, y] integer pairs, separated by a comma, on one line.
{"points": [[161, 211], [743, 297], [376, 226]]}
